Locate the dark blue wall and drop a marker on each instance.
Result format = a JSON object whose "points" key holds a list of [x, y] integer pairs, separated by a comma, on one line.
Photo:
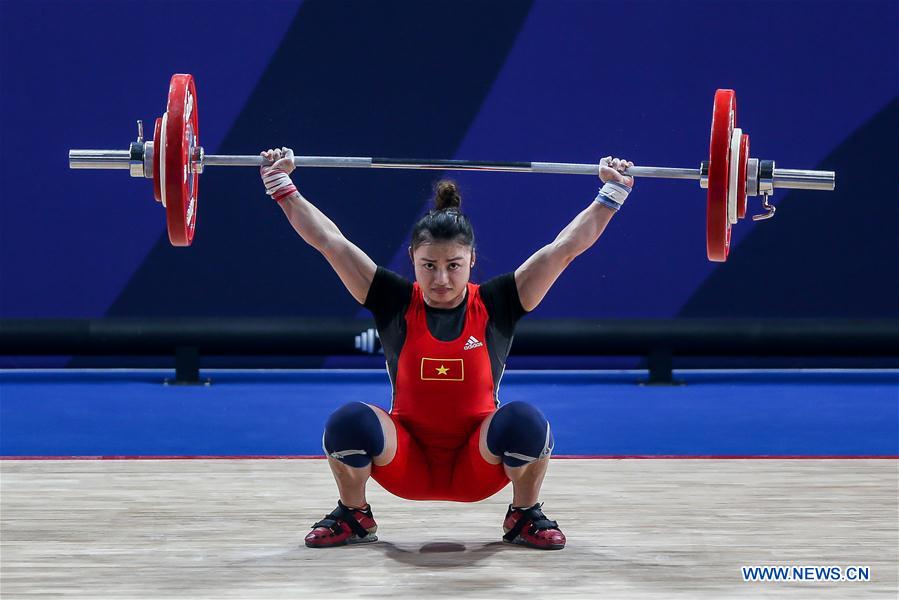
{"points": [[816, 81]]}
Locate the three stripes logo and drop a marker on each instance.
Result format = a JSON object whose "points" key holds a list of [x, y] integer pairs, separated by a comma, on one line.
{"points": [[472, 343]]}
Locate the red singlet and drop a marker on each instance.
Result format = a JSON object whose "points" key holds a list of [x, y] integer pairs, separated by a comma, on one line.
{"points": [[444, 390]]}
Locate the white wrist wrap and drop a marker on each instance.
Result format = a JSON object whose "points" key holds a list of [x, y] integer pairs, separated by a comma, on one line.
{"points": [[275, 180], [612, 195], [616, 192], [278, 184]]}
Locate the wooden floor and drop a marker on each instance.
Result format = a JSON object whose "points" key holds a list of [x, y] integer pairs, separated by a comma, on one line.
{"points": [[636, 529]]}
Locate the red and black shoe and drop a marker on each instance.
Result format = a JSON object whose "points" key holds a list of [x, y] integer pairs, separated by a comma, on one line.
{"points": [[343, 526], [530, 527]]}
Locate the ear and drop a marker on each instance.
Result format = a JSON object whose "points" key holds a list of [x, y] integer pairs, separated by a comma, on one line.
{"points": [[412, 258], [473, 258]]}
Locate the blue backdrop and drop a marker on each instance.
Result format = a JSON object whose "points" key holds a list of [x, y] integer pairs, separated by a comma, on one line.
{"points": [[816, 86]]}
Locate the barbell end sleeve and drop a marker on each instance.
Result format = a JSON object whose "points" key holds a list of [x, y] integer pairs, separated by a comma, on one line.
{"points": [[99, 159], [798, 179]]}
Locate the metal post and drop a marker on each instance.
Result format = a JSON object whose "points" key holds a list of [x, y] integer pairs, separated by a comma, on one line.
{"points": [[659, 363], [187, 367]]}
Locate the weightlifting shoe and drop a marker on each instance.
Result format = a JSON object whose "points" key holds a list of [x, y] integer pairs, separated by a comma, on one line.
{"points": [[343, 526], [530, 527]]}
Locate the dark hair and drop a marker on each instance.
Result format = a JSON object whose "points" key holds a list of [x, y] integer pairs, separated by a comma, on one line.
{"points": [[446, 221]]}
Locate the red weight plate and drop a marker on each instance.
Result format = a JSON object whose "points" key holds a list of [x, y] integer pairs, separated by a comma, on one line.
{"points": [[744, 170], [724, 116], [157, 142], [179, 179]]}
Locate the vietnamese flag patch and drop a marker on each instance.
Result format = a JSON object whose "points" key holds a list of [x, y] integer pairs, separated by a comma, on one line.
{"points": [[442, 369]]}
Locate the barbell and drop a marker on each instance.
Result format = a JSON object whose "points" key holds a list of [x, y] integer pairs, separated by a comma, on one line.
{"points": [[174, 160]]}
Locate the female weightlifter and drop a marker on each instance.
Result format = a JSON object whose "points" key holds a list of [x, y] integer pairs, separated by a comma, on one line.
{"points": [[445, 341]]}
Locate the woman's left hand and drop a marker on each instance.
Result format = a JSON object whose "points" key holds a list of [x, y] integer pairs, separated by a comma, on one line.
{"points": [[612, 169]]}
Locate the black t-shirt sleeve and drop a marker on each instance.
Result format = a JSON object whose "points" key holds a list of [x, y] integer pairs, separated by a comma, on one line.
{"points": [[388, 296], [500, 296]]}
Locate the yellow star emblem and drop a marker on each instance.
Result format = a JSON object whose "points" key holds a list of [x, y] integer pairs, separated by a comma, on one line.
{"points": [[442, 369]]}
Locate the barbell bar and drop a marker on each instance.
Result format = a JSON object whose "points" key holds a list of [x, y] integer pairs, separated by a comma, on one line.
{"points": [[174, 160], [796, 179]]}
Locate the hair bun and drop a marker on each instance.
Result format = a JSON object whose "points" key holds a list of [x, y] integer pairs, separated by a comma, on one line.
{"points": [[446, 195]]}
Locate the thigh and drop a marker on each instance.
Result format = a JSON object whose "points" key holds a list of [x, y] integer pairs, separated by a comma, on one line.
{"points": [[474, 478], [407, 474]]}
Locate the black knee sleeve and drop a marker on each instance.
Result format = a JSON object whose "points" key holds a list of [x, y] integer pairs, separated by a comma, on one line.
{"points": [[353, 434], [520, 434]]}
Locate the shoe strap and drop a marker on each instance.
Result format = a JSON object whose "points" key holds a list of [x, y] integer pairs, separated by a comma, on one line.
{"points": [[533, 516], [345, 514]]}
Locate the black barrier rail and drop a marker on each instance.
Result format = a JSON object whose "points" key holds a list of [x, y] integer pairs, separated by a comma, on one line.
{"points": [[659, 340]]}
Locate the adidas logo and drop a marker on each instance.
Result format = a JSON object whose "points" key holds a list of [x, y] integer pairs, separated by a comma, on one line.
{"points": [[472, 343]]}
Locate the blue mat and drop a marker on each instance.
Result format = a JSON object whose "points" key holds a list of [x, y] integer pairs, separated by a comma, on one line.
{"points": [[130, 413]]}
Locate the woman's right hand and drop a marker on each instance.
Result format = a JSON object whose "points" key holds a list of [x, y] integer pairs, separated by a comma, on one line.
{"points": [[612, 169]]}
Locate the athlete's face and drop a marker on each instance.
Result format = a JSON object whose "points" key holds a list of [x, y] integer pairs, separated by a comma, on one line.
{"points": [[442, 270]]}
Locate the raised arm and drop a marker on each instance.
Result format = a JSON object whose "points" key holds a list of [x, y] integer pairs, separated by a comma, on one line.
{"points": [[539, 272], [355, 269]]}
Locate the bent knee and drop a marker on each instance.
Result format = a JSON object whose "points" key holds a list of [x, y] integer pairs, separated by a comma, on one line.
{"points": [[519, 433], [353, 435]]}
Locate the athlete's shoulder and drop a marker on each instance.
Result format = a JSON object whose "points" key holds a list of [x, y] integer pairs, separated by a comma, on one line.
{"points": [[500, 286], [389, 292], [500, 296], [389, 282]]}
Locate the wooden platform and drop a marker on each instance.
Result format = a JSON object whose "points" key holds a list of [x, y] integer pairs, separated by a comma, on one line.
{"points": [[636, 528]]}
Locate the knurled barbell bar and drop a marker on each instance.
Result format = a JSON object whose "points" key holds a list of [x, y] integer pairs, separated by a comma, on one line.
{"points": [[174, 160]]}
